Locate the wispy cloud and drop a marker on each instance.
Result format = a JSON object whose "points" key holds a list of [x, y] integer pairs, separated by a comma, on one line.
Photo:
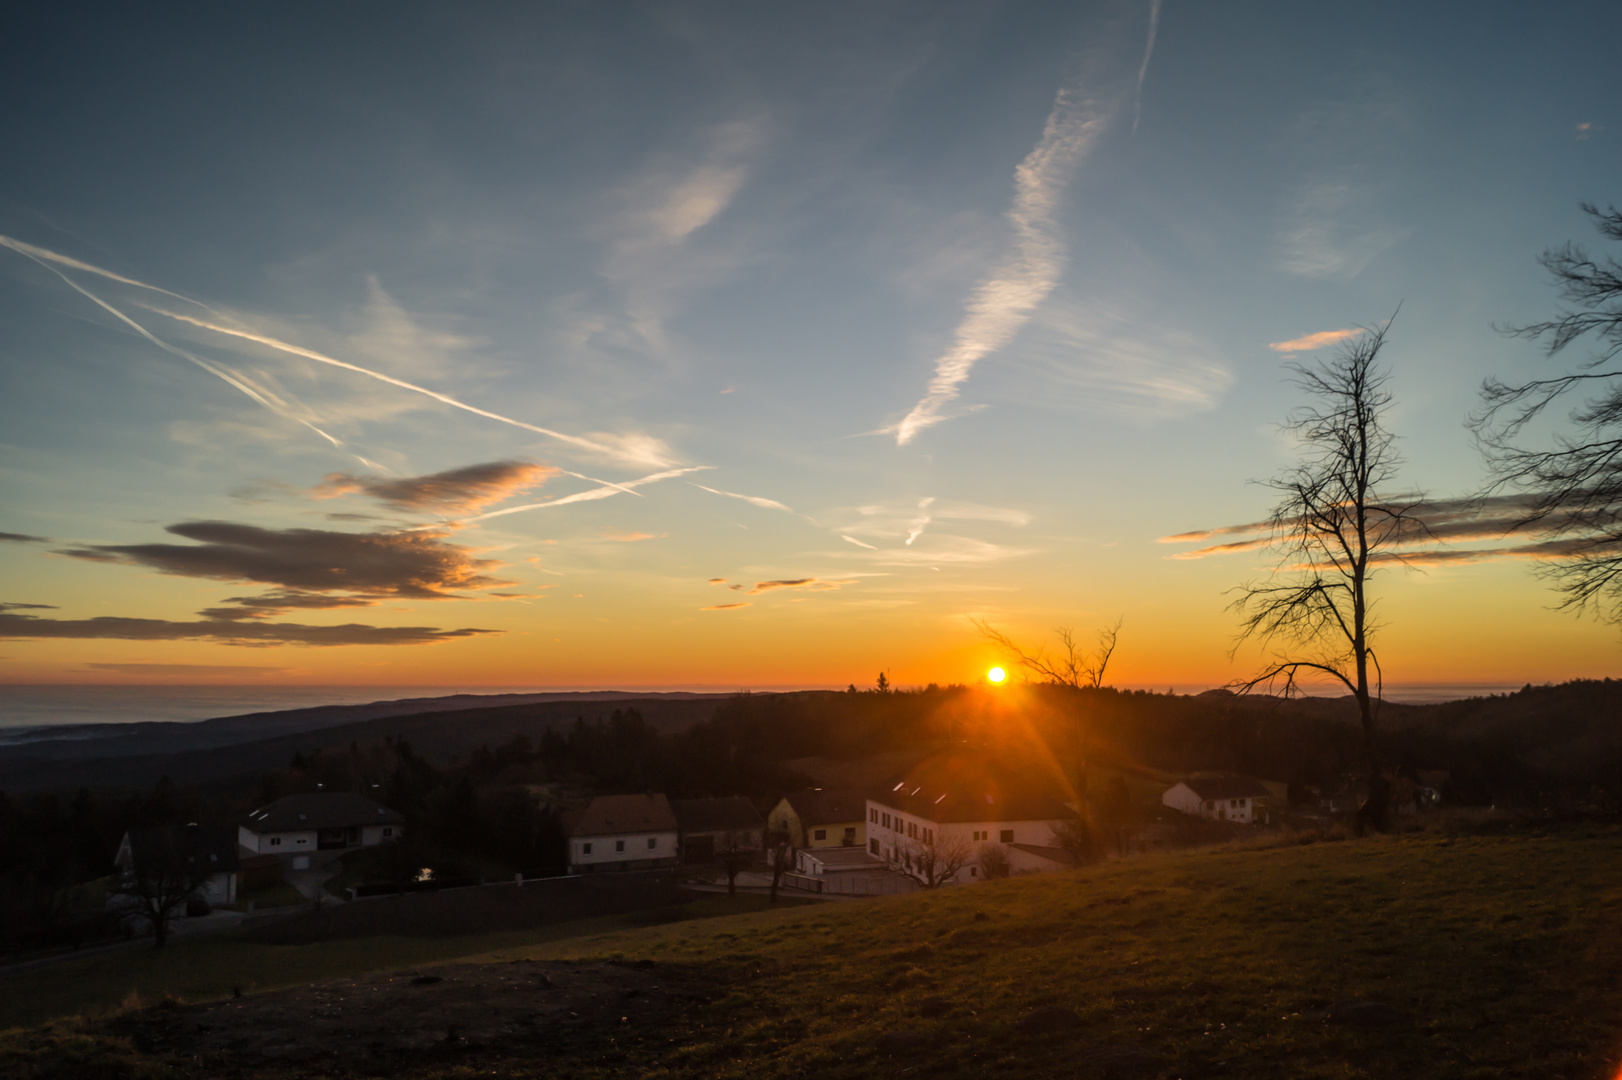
{"points": [[258, 393], [455, 491], [1308, 342], [858, 543], [636, 450], [1143, 68], [916, 527], [1003, 302], [726, 607], [184, 670], [225, 631], [752, 500], [22, 538], [631, 537], [40, 254], [810, 584], [1426, 527], [607, 491]]}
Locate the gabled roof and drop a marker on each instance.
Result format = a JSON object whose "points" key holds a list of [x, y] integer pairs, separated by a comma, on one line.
{"points": [[1227, 787], [319, 810], [964, 788], [716, 815], [828, 806], [606, 815], [211, 846]]}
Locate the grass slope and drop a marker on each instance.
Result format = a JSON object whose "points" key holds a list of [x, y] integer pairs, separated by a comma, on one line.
{"points": [[1502, 955]]}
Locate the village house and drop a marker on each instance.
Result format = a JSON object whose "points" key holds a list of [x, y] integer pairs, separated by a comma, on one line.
{"points": [[950, 808], [709, 826], [821, 817], [204, 853], [318, 826], [1218, 798], [623, 832]]}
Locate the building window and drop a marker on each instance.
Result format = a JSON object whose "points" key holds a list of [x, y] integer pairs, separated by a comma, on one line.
{"points": [[619, 845], [974, 871], [873, 847], [585, 849], [275, 841], [872, 815], [912, 829], [820, 834], [304, 840], [886, 821], [1007, 836], [850, 833], [652, 842], [388, 831]]}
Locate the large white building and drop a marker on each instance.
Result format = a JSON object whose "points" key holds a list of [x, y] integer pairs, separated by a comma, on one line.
{"points": [[950, 809], [318, 826], [624, 832]]}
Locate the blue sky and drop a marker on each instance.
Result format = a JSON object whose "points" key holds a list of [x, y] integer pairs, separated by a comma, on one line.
{"points": [[974, 304]]}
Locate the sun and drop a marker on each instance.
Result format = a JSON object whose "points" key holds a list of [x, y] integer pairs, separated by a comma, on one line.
{"points": [[996, 675]]}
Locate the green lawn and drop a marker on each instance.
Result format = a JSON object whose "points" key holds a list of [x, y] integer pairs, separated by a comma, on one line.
{"points": [[1502, 956]]}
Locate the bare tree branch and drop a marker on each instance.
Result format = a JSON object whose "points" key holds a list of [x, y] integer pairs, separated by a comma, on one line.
{"points": [[1332, 528], [1071, 666], [1576, 478]]}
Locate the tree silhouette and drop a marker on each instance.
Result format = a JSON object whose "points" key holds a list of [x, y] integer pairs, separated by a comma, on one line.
{"points": [[1574, 489], [1331, 529], [1071, 666]]}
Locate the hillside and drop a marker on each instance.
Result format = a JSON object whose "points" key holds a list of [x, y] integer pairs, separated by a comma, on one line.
{"points": [[235, 746], [1416, 955]]}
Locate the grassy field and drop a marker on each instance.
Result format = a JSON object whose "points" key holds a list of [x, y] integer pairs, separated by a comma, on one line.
{"points": [[217, 965], [1488, 956]]}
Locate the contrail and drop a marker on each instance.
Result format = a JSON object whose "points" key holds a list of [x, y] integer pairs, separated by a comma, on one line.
{"points": [[1005, 301], [264, 398], [1143, 69], [38, 254], [857, 542], [310, 354], [594, 494], [753, 500], [45, 257]]}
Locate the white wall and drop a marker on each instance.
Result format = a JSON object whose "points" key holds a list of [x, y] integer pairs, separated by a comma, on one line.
{"points": [[1183, 798], [636, 847], [894, 837], [292, 843]]}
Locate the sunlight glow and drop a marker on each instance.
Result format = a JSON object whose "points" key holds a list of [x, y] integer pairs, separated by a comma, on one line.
{"points": [[996, 675]]}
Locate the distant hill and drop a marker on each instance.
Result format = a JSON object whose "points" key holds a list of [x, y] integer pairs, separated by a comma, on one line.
{"points": [[136, 755]]}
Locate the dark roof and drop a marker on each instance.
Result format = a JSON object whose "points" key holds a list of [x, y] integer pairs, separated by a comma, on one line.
{"points": [[965, 788], [1227, 787], [214, 846], [608, 814], [319, 810], [828, 806], [1053, 854], [715, 815]]}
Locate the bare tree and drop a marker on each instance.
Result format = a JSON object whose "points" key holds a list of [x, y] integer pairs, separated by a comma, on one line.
{"points": [[1071, 665], [781, 855], [934, 858], [1332, 529], [993, 860], [1079, 838], [164, 874], [1574, 489], [736, 853]]}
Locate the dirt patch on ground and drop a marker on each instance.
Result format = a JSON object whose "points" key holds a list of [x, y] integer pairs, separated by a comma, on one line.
{"points": [[400, 1022], [490, 909]]}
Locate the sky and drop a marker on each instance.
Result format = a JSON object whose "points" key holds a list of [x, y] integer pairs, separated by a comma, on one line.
{"points": [[720, 345]]}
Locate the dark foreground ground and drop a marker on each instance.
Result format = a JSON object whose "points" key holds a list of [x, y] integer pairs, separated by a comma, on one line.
{"points": [[1488, 956]]}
